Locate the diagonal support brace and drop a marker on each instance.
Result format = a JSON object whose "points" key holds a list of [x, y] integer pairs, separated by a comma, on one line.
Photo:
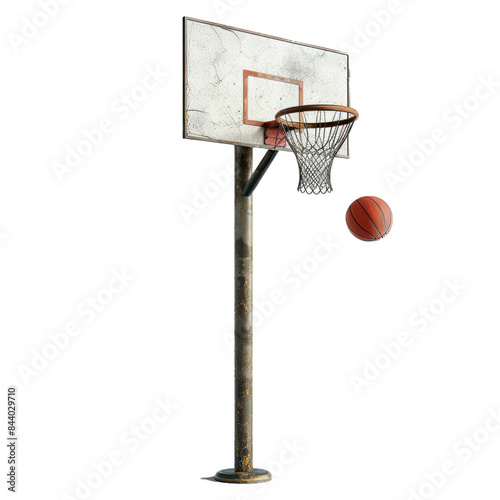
{"points": [[259, 172]]}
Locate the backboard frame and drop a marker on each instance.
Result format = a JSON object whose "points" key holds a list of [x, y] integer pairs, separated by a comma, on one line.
{"points": [[245, 76]]}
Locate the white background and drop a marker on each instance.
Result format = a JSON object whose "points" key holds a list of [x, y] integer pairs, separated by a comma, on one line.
{"points": [[164, 335]]}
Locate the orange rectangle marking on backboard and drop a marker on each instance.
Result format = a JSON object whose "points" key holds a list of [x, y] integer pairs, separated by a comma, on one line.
{"points": [[255, 74]]}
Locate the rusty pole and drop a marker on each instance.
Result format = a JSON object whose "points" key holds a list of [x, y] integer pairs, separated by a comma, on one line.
{"points": [[243, 471]]}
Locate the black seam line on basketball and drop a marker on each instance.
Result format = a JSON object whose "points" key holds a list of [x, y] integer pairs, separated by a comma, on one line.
{"points": [[362, 237], [386, 231], [389, 228], [382, 213], [362, 228], [369, 217]]}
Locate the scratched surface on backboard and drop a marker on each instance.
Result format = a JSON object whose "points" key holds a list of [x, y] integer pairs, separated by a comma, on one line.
{"points": [[235, 80]]}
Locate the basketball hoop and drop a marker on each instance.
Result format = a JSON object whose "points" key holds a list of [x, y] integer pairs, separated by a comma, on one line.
{"points": [[315, 133]]}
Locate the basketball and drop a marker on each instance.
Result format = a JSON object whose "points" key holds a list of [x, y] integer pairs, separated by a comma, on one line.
{"points": [[369, 218]]}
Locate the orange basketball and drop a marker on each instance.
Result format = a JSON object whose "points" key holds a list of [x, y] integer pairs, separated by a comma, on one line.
{"points": [[369, 218]]}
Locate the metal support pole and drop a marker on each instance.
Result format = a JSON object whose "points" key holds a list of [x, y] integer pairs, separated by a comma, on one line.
{"points": [[243, 471], [243, 307]]}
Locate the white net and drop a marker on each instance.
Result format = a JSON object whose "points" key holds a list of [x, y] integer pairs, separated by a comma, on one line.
{"points": [[316, 136]]}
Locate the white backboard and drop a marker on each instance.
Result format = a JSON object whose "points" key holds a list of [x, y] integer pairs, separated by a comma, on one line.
{"points": [[235, 80]]}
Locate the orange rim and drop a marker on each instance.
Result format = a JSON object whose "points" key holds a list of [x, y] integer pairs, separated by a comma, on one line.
{"points": [[316, 107]]}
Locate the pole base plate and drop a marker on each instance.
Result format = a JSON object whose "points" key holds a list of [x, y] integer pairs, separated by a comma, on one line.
{"points": [[256, 476]]}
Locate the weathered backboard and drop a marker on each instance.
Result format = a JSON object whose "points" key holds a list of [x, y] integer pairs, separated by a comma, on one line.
{"points": [[235, 80]]}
